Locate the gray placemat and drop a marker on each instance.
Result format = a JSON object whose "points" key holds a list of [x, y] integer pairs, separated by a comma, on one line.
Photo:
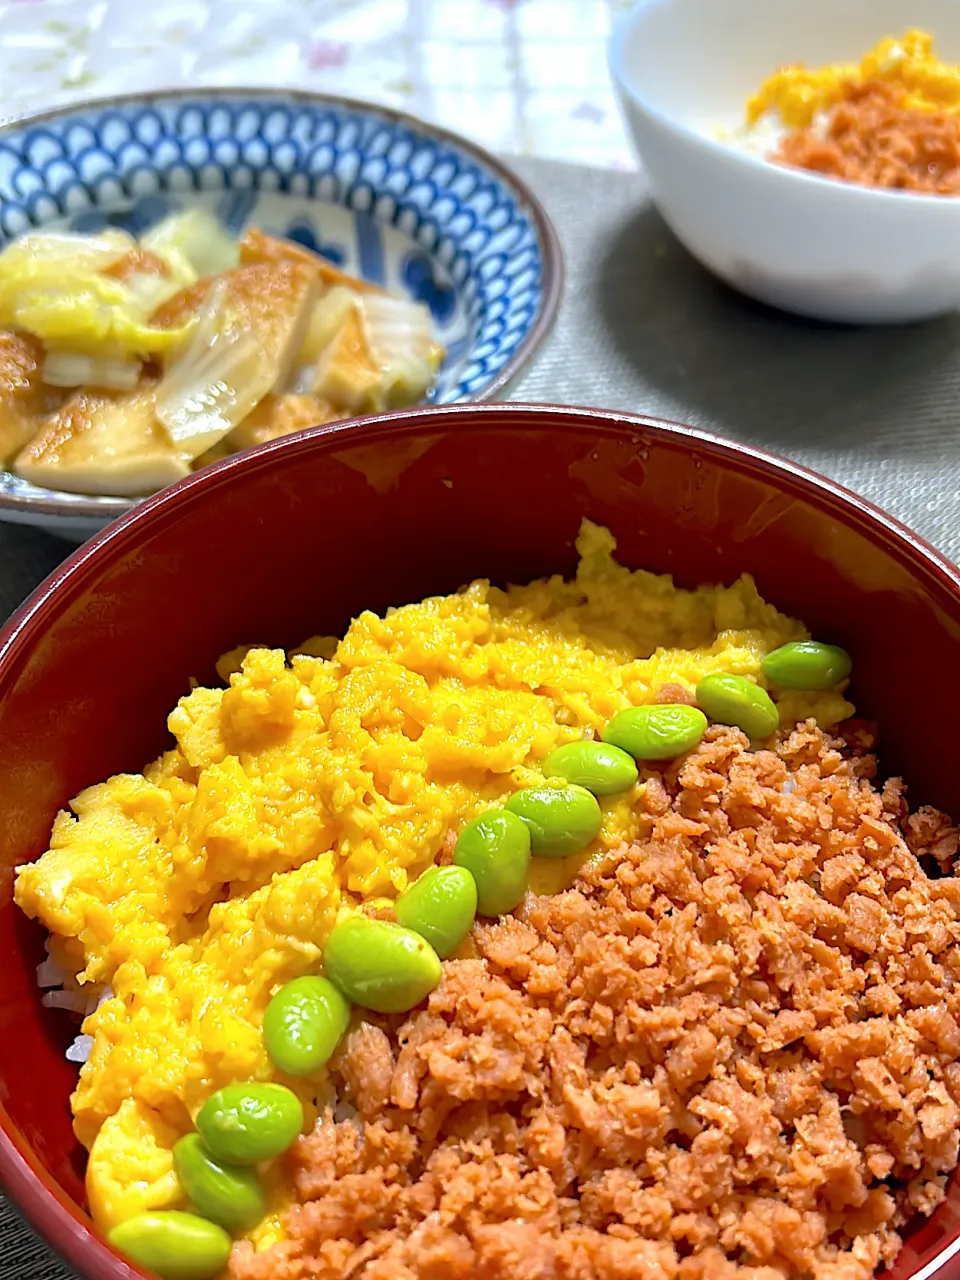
{"points": [[644, 329]]}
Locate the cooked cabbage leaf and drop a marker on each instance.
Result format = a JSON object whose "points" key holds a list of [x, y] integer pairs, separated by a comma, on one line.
{"points": [[400, 339], [91, 315], [218, 378], [194, 242], [326, 320], [73, 369], [79, 311], [59, 250]]}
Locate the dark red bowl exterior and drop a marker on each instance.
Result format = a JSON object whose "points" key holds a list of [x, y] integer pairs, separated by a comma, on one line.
{"points": [[297, 537]]}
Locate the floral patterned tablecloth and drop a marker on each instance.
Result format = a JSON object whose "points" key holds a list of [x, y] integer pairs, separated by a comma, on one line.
{"points": [[521, 76]]}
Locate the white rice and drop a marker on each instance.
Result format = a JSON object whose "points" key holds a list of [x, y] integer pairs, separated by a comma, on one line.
{"points": [[80, 1050], [344, 1111], [75, 1001], [64, 993], [50, 974], [82, 1045], [762, 139]]}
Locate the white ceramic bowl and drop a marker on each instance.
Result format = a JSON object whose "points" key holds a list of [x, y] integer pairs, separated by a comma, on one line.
{"points": [[826, 249]]}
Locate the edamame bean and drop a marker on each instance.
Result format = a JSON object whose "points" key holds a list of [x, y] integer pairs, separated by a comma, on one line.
{"points": [[495, 849], [807, 664], [599, 766], [656, 731], [174, 1245], [232, 1198], [562, 820], [440, 905], [246, 1123], [303, 1025], [380, 965], [738, 701]]}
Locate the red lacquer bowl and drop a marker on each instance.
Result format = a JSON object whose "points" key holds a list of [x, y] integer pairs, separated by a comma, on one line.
{"points": [[297, 537]]}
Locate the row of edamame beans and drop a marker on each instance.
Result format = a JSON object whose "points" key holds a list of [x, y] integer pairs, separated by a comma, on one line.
{"points": [[238, 1127], [391, 967]]}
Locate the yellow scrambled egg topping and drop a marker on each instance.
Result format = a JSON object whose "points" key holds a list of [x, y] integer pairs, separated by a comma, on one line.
{"points": [[797, 93], [197, 888]]}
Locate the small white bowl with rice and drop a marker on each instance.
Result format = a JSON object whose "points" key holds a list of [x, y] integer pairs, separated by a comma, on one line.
{"points": [[830, 250]]}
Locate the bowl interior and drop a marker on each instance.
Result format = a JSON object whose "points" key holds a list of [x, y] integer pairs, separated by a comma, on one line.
{"points": [[697, 61], [300, 536]]}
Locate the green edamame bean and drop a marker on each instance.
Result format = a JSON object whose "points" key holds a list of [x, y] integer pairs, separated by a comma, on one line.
{"points": [[738, 701], [440, 905], [807, 664], [656, 731], [174, 1245], [303, 1024], [246, 1123], [380, 965], [495, 849], [232, 1198], [599, 766], [562, 820]]}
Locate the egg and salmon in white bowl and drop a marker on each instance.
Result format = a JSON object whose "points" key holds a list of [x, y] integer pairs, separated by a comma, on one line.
{"points": [[717, 98]]}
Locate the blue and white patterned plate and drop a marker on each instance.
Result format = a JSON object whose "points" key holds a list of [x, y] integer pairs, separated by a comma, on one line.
{"points": [[383, 195]]}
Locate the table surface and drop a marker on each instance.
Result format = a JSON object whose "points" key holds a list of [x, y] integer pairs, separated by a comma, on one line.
{"points": [[642, 327], [524, 76]]}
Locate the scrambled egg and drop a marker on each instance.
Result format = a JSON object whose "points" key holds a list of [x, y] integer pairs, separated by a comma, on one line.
{"points": [[130, 1169], [198, 887], [798, 94]]}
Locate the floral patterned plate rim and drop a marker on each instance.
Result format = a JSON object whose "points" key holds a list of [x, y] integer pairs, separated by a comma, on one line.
{"points": [[404, 203]]}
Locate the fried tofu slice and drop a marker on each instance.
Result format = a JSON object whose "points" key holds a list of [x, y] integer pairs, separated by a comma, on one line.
{"points": [[183, 306], [346, 373], [138, 261], [270, 301], [103, 442], [257, 248], [274, 416], [25, 402], [277, 416], [147, 275]]}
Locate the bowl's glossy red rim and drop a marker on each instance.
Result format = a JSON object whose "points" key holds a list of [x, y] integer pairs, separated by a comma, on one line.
{"points": [[22, 1178]]}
